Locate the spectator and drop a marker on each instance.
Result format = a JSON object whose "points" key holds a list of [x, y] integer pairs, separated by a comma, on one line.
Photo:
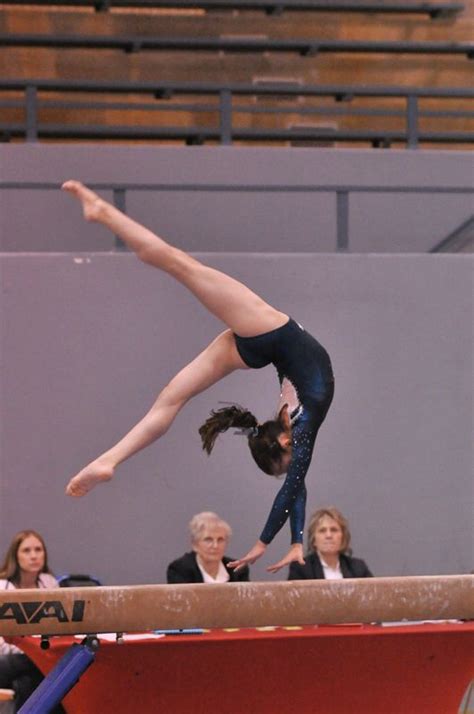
{"points": [[329, 553], [206, 563], [25, 566]]}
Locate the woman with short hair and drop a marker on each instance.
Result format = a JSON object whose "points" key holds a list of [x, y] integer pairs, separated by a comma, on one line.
{"points": [[206, 562]]}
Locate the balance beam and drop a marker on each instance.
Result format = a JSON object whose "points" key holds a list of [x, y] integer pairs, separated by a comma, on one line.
{"points": [[139, 608]]}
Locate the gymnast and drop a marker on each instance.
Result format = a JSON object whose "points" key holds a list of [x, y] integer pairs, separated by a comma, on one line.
{"points": [[257, 334]]}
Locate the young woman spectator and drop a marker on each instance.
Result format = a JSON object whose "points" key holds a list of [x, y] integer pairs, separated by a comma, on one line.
{"points": [[25, 566]]}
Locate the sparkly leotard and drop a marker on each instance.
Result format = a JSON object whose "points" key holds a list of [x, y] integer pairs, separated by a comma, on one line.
{"points": [[299, 358]]}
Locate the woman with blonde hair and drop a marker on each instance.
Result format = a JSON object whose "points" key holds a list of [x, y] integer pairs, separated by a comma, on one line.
{"points": [[329, 553]]}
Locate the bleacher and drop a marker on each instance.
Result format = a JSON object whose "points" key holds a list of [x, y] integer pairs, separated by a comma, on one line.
{"points": [[295, 73]]}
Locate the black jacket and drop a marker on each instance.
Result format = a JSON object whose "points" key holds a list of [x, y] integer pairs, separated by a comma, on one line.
{"points": [[186, 570], [313, 570]]}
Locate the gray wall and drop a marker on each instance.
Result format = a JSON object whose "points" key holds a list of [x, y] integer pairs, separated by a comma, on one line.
{"points": [[88, 339], [240, 199]]}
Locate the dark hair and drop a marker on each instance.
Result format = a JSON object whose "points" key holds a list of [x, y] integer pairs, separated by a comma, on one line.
{"points": [[10, 569], [262, 438]]}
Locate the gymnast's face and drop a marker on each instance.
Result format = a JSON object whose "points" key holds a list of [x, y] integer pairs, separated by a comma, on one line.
{"points": [[284, 439], [211, 545], [328, 537], [30, 555]]}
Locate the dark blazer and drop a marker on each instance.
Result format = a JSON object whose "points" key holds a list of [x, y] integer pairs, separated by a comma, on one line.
{"points": [[186, 570], [312, 568]]}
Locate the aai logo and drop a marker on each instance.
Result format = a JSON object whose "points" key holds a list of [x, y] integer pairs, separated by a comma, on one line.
{"points": [[25, 613]]}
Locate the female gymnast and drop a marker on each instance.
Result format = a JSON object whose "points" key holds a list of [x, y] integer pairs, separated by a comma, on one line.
{"points": [[257, 335]]}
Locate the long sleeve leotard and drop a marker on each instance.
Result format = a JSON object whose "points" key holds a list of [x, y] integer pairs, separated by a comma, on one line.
{"points": [[299, 358]]}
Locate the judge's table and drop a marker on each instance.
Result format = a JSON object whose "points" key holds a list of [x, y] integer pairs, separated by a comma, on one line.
{"points": [[397, 668]]}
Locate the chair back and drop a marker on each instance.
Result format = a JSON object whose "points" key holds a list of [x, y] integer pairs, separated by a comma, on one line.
{"points": [[78, 580]]}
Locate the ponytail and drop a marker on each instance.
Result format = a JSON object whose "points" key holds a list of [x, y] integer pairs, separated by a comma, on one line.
{"points": [[221, 420]]}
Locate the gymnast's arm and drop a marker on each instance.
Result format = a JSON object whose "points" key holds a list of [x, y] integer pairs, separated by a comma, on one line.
{"points": [[292, 495], [297, 516]]}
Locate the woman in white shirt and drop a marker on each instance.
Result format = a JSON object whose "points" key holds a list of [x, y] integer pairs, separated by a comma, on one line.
{"points": [[207, 562], [25, 566], [329, 553]]}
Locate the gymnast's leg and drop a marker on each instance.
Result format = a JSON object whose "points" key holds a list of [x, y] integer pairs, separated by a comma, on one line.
{"points": [[238, 307], [219, 359], [244, 312]]}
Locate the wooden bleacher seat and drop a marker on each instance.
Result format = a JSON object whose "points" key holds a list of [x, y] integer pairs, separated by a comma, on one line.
{"points": [[325, 68]]}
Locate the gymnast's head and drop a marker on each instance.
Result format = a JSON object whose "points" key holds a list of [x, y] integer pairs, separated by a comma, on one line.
{"points": [[269, 443]]}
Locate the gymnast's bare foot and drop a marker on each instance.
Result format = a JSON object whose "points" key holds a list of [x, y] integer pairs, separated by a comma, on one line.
{"points": [[93, 474], [92, 205]]}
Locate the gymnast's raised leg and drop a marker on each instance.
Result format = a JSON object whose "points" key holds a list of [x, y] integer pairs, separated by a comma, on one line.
{"points": [[244, 313]]}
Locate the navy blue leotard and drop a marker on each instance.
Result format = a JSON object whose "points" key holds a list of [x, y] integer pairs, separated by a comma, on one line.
{"points": [[299, 358]]}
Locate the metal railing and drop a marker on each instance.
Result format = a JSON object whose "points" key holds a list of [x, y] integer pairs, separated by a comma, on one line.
{"points": [[221, 99], [433, 10], [308, 47], [460, 240], [342, 192]]}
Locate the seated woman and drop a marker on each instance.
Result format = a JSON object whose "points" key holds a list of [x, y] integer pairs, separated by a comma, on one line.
{"points": [[206, 563], [329, 552], [25, 566]]}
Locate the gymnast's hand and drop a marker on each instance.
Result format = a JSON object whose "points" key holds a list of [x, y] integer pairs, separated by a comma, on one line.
{"points": [[254, 554], [295, 553]]}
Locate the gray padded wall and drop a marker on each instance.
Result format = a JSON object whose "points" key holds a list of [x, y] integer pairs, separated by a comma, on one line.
{"points": [[241, 199], [87, 341]]}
